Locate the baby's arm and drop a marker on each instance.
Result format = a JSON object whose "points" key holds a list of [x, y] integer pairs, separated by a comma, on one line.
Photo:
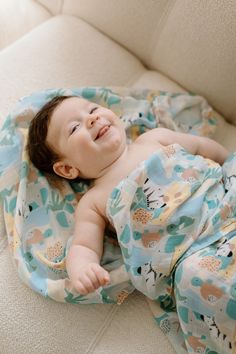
{"points": [[83, 259], [196, 145]]}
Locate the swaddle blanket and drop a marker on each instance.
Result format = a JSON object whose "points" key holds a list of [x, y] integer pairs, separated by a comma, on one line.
{"points": [[38, 212], [170, 207]]}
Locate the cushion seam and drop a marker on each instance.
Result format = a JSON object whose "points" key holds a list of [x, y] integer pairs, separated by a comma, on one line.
{"points": [[159, 29], [102, 329]]}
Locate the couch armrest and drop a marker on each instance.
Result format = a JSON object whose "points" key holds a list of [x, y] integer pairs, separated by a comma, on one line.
{"points": [[18, 18]]}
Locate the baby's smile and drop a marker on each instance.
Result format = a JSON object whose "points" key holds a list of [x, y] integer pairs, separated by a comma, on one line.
{"points": [[88, 137], [102, 131]]}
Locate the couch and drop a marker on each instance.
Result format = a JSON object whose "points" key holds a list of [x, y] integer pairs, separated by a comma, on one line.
{"points": [[171, 45]]}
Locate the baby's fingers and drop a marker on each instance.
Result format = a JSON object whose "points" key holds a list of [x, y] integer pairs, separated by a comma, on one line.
{"points": [[101, 274], [94, 277], [83, 288], [87, 283]]}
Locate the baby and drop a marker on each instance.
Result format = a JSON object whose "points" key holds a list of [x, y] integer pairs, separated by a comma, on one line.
{"points": [[72, 138]]}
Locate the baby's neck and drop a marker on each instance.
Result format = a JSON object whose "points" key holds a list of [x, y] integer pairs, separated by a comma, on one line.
{"points": [[114, 167]]}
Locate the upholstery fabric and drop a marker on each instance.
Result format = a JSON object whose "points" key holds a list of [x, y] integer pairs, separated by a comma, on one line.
{"points": [[26, 16], [71, 54], [179, 38]]}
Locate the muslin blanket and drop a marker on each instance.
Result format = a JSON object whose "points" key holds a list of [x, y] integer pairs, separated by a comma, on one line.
{"points": [[38, 210], [167, 213]]}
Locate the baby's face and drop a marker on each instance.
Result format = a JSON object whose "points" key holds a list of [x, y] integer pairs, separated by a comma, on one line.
{"points": [[89, 138]]}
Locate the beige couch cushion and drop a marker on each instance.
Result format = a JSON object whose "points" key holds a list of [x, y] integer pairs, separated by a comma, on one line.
{"points": [[193, 42], [63, 52], [26, 67], [201, 35]]}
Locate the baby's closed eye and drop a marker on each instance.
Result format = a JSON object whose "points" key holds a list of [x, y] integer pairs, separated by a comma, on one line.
{"points": [[74, 128]]}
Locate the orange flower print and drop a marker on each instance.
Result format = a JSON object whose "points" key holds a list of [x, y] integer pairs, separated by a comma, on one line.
{"points": [[142, 216], [210, 263]]}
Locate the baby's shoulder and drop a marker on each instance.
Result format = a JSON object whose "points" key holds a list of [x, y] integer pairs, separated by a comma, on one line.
{"points": [[94, 199], [149, 137], [162, 136], [89, 198]]}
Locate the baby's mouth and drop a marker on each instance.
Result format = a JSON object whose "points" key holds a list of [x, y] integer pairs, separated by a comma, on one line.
{"points": [[102, 131]]}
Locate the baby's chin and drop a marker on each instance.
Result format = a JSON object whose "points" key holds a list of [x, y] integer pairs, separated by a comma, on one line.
{"points": [[114, 140]]}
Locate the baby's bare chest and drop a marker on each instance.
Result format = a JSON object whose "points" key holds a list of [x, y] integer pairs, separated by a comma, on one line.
{"points": [[121, 171]]}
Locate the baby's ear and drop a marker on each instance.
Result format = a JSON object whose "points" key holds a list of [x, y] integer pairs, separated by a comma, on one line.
{"points": [[65, 171]]}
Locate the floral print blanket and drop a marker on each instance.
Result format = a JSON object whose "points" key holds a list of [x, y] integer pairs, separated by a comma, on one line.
{"points": [[38, 210], [175, 219]]}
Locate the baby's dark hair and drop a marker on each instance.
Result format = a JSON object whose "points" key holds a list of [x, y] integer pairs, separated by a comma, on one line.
{"points": [[39, 151]]}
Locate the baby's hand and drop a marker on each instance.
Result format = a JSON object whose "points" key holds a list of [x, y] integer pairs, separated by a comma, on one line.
{"points": [[89, 278]]}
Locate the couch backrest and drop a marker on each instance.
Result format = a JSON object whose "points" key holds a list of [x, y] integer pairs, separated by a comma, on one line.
{"points": [[191, 41]]}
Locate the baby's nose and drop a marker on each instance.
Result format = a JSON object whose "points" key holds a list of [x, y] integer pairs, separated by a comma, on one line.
{"points": [[91, 120]]}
